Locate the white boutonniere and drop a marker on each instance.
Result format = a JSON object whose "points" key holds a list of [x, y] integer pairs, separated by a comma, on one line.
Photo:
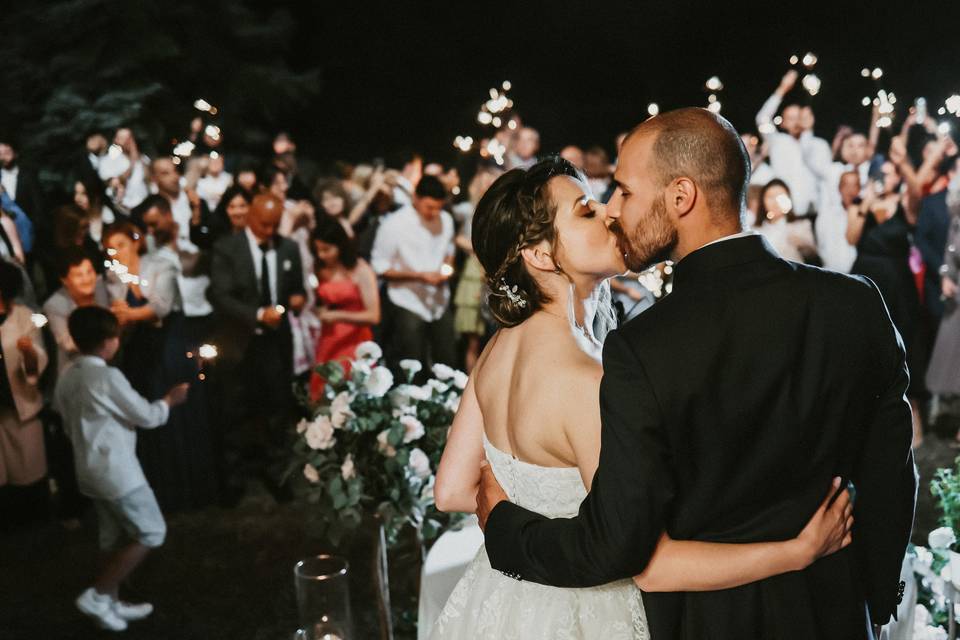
{"points": [[287, 265]]}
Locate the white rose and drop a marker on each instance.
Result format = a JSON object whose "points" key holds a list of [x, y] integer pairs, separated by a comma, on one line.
{"points": [[369, 350], [360, 367], [418, 393], [452, 403], [310, 473], [942, 538], [383, 444], [436, 385], [302, 425], [378, 382], [347, 470], [442, 371], [419, 464], [320, 433], [427, 492], [340, 409], [412, 429], [460, 380], [411, 366]]}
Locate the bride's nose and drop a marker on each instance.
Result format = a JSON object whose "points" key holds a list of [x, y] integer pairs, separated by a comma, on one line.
{"points": [[600, 210]]}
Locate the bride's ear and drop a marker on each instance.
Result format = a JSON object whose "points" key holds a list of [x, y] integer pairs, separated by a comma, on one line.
{"points": [[539, 257]]}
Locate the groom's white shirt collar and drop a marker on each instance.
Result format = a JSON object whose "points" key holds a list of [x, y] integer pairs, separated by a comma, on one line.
{"points": [[742, 234]]}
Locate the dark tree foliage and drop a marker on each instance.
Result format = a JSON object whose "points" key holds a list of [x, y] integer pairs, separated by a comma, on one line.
{"points": [[71, 67]]}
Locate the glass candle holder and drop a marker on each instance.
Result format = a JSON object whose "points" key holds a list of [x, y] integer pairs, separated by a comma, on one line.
{"points": [[323, 598]]}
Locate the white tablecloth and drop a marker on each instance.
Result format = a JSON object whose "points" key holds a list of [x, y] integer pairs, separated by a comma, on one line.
{"points": [[445, 564]]}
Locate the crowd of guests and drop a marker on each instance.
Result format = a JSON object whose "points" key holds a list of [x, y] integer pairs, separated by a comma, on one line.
{"points": [[280, 266]]}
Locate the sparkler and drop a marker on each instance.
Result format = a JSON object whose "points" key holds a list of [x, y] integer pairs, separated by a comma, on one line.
{"points": [[123, 272], [280, 309], [39, 320], [811, 83], [205, 353], [952, 105], [653, 109], [713, 85], [492, 110], [446, 270], [184, 149]]}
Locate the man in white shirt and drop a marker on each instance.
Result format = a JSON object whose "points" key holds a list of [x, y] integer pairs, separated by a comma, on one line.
{"points": [[194, 235], [413, 252], [796, 156], [101, 412]]}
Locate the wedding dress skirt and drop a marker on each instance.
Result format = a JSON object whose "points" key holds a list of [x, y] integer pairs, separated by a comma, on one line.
{"points": [[486, 604]]}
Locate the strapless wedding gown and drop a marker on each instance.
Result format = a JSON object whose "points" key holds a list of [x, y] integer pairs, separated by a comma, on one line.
{"points": [[486, 604]]}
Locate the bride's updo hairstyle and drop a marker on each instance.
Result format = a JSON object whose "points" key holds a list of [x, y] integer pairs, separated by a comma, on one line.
{"points": [[514, 213]]}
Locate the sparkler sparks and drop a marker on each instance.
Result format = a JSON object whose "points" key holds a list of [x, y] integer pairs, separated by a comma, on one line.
{"points": [[811, 83], [207, 351], [714, 84], [653, 109], [952, 105], [39, 320]]}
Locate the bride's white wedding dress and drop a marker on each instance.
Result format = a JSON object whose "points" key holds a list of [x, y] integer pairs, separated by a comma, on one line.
{"points": [[486, 604]]}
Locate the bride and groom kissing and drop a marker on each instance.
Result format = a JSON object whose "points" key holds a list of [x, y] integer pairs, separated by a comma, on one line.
{"points": [[739, 465]]}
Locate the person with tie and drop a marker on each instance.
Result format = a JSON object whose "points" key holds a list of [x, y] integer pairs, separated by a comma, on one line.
{"points": [[256, 280]]}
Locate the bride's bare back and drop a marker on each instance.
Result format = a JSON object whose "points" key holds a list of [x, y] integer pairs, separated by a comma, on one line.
{"points": [[539, 394]]}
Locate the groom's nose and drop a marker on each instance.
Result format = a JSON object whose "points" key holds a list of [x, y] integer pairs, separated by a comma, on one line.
{"points": [[612, 208]]}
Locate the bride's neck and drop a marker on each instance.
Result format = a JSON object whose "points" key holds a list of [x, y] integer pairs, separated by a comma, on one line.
{"points": [[581, 292]]}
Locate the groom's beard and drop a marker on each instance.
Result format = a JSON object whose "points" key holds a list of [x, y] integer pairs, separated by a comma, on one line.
{"points": [[654, 240]]}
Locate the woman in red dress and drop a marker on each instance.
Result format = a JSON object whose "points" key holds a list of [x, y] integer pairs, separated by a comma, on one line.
{"points": [[347, 295]]}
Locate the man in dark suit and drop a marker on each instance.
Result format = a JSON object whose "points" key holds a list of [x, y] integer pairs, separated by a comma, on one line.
{"points": [[256, 280], [727, 409]]}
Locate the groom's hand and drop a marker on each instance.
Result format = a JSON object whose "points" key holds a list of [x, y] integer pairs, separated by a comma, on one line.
{"points": [[489, 495]]}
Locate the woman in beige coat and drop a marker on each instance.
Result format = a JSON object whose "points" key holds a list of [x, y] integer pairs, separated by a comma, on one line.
{"points": [[23, 464]]}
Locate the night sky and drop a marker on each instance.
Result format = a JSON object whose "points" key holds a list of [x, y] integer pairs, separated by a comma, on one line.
{"points": [[414, 74]]}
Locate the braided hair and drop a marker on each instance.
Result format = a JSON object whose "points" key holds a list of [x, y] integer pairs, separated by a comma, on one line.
{"points": [[516, 212]]}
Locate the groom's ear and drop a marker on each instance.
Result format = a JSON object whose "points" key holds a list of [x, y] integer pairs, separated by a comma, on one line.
{"points": [[539, 257], [682, 196]]}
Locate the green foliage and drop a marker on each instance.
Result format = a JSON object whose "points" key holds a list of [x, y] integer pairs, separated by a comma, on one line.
{"points": [[72, 66], [945, 487]]}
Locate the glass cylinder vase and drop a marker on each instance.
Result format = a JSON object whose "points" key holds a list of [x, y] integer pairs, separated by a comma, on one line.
{"points": [[323, 598]]}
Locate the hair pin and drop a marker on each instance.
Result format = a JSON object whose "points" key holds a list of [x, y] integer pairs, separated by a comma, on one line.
{"points": [[515, 297]]}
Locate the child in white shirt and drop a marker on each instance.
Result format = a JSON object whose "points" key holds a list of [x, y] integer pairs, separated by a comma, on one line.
{"points": [[101, 412]]}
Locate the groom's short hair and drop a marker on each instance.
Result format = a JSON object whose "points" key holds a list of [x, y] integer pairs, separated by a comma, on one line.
{"points": [[704, 146]]}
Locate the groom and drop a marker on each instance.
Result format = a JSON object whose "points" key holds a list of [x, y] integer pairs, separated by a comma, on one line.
{"points": [[727, 409]]}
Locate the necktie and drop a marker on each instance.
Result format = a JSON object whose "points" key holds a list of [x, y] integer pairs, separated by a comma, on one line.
{"points": [[266, 299]]}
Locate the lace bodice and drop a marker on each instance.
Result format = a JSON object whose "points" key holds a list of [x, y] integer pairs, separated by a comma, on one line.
{"points": [[555, 492]]}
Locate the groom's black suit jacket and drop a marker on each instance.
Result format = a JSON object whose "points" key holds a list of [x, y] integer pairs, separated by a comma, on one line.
{"points": [[727, 409]]}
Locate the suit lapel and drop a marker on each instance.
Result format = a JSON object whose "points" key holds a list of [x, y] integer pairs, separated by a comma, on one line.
{"points": [[246, 263]]}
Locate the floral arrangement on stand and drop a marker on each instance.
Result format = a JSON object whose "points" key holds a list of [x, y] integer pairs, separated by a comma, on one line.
{"points": [[937, 568], [372, 447]]}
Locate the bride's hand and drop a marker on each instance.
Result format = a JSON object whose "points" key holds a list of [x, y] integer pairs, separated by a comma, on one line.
{"points": [[829, 530]]}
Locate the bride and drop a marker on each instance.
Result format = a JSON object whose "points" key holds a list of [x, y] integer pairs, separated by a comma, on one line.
{"points": [[531, 409]]}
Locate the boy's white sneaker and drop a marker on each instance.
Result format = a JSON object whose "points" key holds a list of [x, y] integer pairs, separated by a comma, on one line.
{"points": [[100, 607], [130, 612]]}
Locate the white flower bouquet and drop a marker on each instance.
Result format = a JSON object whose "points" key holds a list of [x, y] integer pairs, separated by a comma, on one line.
{"points": [[372, 446]]}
